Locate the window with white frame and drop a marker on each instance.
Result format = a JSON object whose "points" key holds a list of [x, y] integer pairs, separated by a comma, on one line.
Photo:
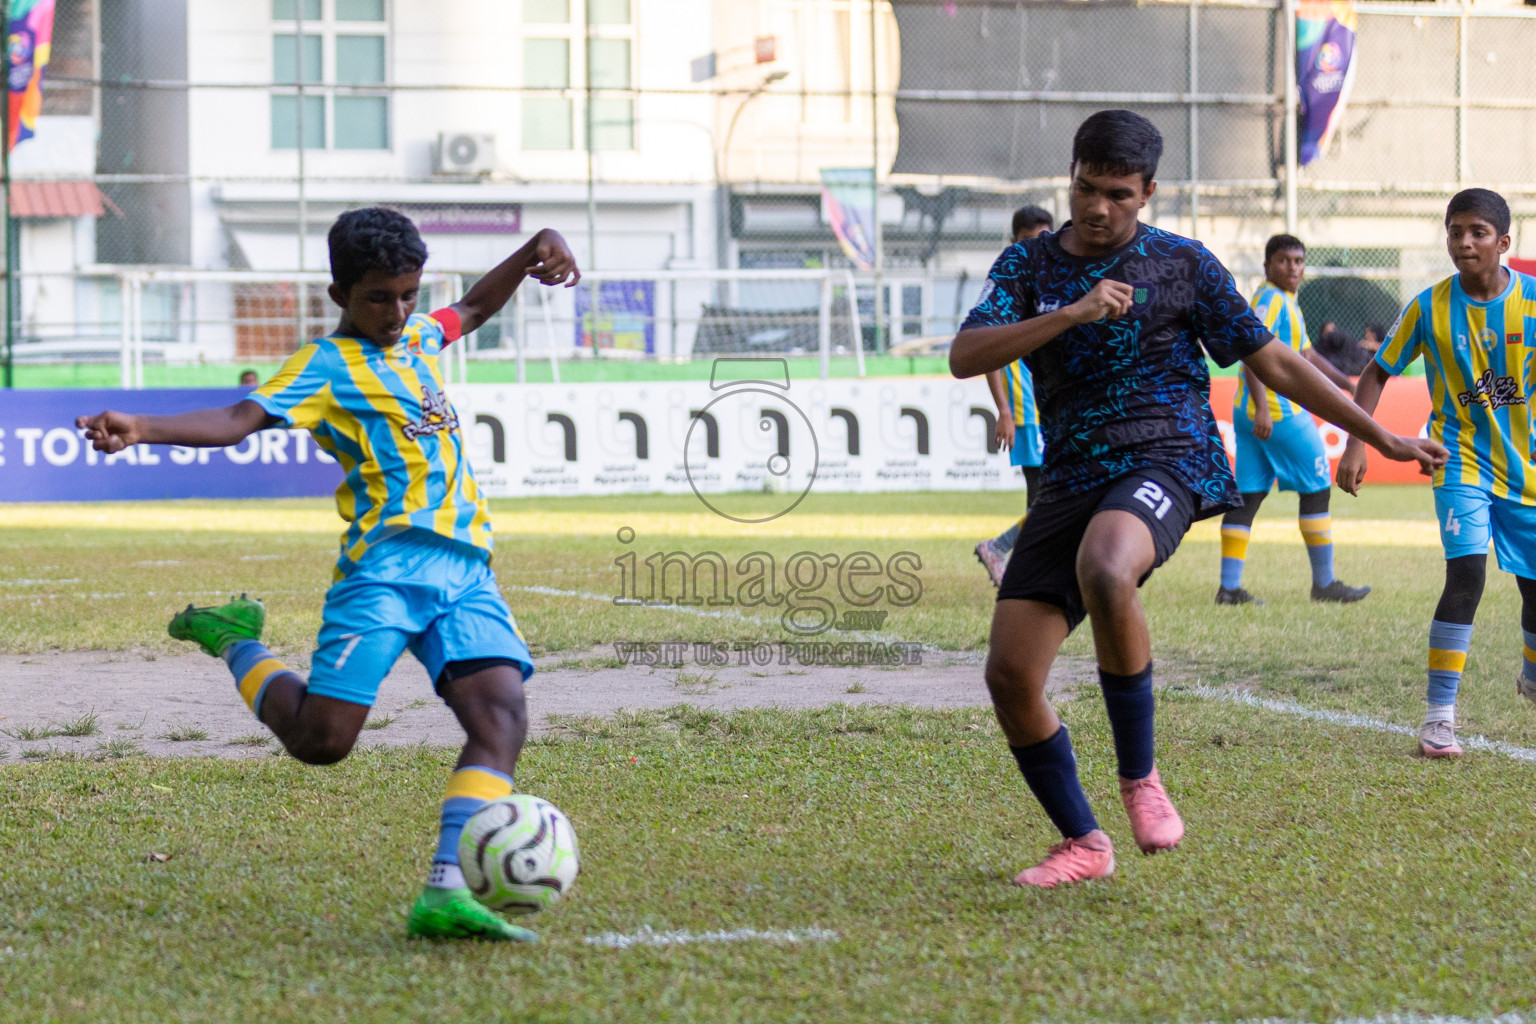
{"points": [[330, 42], [553, 58]]}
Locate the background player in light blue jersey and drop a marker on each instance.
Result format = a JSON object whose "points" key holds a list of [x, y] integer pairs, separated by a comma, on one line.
{"points": [[1018, 420], [1475, 332], [1278, 441], [413, 570]]}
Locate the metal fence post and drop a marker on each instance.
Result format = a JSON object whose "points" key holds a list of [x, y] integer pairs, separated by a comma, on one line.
{"points": [[549, 334], [125, 314], [138, 332], [1291, 163], [1463, 155], [824, 326], [853, 323], [1194, 119], [519, 331], [874, 165]]}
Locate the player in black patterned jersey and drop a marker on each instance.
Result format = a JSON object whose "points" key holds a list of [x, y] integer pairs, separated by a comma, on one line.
{"points": [[1115, 319]]}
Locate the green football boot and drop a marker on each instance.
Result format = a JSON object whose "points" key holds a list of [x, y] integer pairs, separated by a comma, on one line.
{"points": [[214, 629], [456, 914]]}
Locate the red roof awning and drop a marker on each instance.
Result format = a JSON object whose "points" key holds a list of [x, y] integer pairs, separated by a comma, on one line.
{"points": [[39, 199]]}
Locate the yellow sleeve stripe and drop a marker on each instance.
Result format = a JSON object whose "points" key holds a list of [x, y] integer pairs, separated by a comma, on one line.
{"points": [[473, 782], [256, 678], [1447, 661]]}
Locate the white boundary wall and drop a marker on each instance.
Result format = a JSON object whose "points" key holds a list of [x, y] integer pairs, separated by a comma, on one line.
{"points": [[891, 434]]}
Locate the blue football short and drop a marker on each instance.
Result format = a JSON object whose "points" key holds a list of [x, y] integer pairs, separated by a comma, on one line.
{"points": [[1470, 517], [419, 591], [1028, 446], [1294, 455]]}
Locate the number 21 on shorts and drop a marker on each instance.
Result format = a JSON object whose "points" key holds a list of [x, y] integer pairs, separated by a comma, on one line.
{"points": [[1154, 497]]}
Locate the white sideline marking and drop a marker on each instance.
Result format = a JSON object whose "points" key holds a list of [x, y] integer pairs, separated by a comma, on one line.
{"points": [[1368, 724], [647, 937]]}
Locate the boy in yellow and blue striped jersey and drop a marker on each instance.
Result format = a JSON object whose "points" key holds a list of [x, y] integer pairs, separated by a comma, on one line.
{"points": [[1018, 421], [1474, 331], [1278, 442], [414, 565]]}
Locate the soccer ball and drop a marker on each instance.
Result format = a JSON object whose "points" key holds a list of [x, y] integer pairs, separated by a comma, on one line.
{"points": [[518, 854]]}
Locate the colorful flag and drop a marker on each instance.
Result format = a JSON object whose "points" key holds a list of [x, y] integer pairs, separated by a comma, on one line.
{"points": [[848, 202], [1325, 71], [29, 42]]}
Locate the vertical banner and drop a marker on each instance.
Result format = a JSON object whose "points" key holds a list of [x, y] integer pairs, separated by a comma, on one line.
{"points": [[1325, 71], [29, 43], [848, 204]]}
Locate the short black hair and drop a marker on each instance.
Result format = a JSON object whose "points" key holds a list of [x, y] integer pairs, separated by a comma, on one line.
{"points": [[1119, 142], [1486, 204], [1282, 243], [374, 238], [1027, 218]]}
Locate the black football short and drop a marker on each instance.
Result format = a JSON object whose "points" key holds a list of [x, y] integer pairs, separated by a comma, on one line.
{"points": [[1043, 566]]}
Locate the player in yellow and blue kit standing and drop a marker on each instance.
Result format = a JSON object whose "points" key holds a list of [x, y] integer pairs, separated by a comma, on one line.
{"points": [[414, 569], [1278, 442], [1474, 332], [1018, 421]]}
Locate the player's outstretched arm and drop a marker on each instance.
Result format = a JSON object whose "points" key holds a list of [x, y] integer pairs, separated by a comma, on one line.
{"points": [[1373, 380], [205, 428], [983, 349], [545, 257], [1282, 370]]}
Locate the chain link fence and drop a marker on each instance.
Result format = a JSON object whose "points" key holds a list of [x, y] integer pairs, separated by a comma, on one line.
{"points": [[191, 154]]}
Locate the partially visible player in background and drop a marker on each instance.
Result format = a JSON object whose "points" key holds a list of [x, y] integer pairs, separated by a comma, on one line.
{"points": [[1474, 331], [1018, 421], [248, 379], [1277, 440], [414, 568]]}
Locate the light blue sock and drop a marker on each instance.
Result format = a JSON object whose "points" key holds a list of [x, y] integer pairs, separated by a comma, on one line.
{"points": [[1234, 554], [253, 667], [469, 789], [1530, 655], [1448, 645], [1317, 532]]}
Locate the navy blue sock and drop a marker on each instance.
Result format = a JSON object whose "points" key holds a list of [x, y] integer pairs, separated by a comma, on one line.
{"points": [[1128, 699], [1051, 771]]}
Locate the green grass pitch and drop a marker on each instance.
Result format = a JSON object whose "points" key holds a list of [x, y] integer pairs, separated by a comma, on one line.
{"points": [[1327, 874]]}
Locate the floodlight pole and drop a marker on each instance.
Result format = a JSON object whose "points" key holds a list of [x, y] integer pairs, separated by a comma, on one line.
{"points": [[11, 248]]}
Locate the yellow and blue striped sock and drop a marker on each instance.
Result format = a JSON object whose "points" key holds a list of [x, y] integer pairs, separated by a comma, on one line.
{"points": [[253, 668], [1448, 645], [1234, 551], [469, 789], [1317, 532], [1529, 671]]}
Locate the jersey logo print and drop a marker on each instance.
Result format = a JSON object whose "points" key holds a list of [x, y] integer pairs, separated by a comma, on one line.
{"points": [[436, 415], [1492, 392]]}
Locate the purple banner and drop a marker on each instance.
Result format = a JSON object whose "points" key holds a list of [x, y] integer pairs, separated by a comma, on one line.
{"points": [[1325, 71], [848, 203], [44, 458]]}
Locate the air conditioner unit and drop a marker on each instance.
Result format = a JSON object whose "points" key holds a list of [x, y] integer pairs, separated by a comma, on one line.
{"points": [[464, 153]]}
